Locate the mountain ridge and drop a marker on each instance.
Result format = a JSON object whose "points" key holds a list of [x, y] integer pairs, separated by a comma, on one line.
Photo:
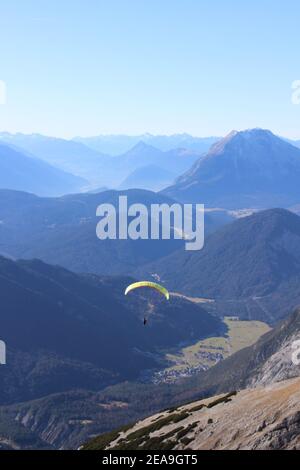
{"points": [[99, 168], [252, 168], [27, 173]]}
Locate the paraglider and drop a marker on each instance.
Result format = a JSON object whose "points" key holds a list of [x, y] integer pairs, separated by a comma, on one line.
{"points": [[152, 285]]}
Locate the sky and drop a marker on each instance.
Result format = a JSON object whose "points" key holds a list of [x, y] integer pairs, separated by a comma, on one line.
{"points": [[205, 67]]}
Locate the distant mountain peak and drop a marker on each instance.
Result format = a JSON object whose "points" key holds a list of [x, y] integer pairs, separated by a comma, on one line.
{"points": [[141, 146], [250, 168], [250, 136]]}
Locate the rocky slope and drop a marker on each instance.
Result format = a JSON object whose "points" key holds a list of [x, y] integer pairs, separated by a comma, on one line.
{"points": [[262, 418]]}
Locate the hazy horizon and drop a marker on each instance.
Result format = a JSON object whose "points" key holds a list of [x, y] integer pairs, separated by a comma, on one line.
{"points": [[143, 134], [163, 68]]}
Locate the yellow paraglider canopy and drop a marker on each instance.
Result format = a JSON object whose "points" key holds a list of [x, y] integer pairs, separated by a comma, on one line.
{"points": [[152, 285]]}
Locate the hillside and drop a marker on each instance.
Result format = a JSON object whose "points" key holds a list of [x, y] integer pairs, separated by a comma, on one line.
{"points": [[67, 155], [250, 268], [26, 173], [79, 331], [63, 231], [253, 168], [253, 419]]}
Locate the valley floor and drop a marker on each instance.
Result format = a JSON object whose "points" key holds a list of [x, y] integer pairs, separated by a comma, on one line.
{"points": [[204, 354]]}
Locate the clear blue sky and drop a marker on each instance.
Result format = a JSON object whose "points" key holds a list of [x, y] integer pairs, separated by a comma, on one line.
{"points": [[75, 67]]}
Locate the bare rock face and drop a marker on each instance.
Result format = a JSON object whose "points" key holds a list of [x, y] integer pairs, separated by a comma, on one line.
{"points": [[285, 435], [261, 418], [278, 367]]}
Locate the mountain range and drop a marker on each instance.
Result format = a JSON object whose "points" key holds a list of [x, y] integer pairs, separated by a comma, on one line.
{"points": [[97, 168], [248, 169], [28, 173], [248, 267], [118, 144], [252, 168]]}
